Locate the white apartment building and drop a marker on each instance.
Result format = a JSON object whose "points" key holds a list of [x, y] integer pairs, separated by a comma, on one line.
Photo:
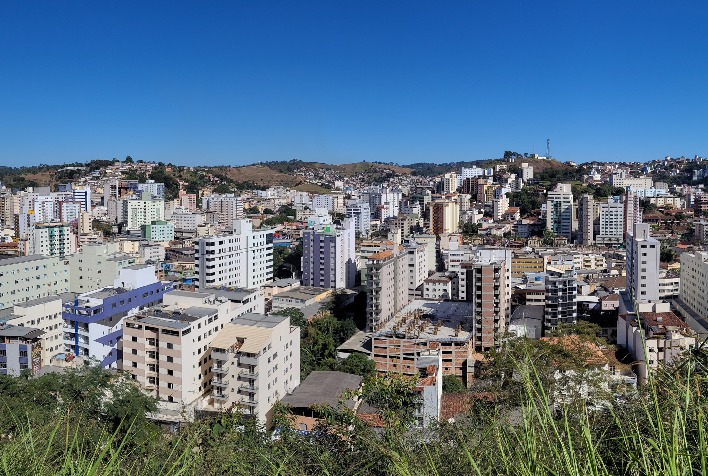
{"points": [[43, 314], [386, 286], [243, 259], [611, 222], [83, 196], [499, 207], [621, 179], [560, 212], [632, 211], [449, 183], [155, 189], [255, 362], [587, 216], [642, 264], [694, 281], [384, 202], [187, 221], [96, 266], [52, 239], [526, 172], [228, 207], [417, 267], [26, 278], [361, 214], [329, 256], [142, 211]]}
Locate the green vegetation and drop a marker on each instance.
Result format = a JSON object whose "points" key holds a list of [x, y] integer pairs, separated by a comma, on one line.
{"points": [[453, 384]]}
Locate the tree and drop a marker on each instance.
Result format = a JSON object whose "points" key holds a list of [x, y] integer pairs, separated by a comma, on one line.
{"points": [[393, 394], [128, 160], [268, 211], [297, 317], [453, 384], [359, 364], [252, 211], [469, 229]]}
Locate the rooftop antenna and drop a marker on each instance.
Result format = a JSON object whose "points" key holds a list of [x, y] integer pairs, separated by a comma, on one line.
{"points": [[548, 149]]}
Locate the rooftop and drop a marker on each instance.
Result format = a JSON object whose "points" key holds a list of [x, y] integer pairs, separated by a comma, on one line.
{"points": [[323, 388], [21, 331], [242, 337], [304, 293], [23, 259], [259, 320]]}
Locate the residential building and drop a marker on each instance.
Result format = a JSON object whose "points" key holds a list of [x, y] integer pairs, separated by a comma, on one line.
{"points": [[444, 216], [439, 286], [53, 239], [93, 322], [361, 214], [386, 285], [449, 183], [417, 266], [300, 298], [611, 222], [158, 230], [526, 172], [643, 252], [329, 256], [694, 284], [243, 259], [561, 298], [43, 314], [255, 362], [155, 189], [587, 215], [622, 180], [632, 211], [560, 211], [26, 278], [20, 350], [82, 195], [527, 263], [96, 266], [484, 283], [142, 210]]}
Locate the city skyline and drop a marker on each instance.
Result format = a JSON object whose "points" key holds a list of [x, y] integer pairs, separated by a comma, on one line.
{"points": [[237, 83]]}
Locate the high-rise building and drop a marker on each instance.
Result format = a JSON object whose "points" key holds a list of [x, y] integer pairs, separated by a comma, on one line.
{"points": [[329, 256], [83, 196], [449, 183], [361, 214], [559, 211], [142, 211], [155, 189], [43, 314], [243, 259], [386, 286], [500, 206], [611, 222], [485, 287], [26, 278], [643, 253], [694, 282], [417, 266], [96, 266], [229, 208], [384, 202], [632, 211], [587, 212], [561, 298], [526, 172], [444, 216], [52, 239]]}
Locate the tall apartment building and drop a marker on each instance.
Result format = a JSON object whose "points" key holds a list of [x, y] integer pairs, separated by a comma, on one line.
{"points": [[142, 211], [449, 183], [444, 216], [243, 259], [694, 283], [361, 214], [159, 230], [621, 179], [561, 298], [632, 211], [26, 278], [44, 315], [559, 210], [93, 322], [96, 266], [417, 266], [386, 286], [587, 215], [155, 189], [485, 286], [255, 362], [228, 207], [83, 196], [329, 256], [611, 222], [52, 239], [499, 207], [384, 202], [166, 348], [642, 264], [526, 172]]}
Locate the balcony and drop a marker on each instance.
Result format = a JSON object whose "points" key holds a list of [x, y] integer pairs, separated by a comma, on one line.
{"points": [[220, 396], [222, 383], [219, 354], [221, 369], [248, 375], [250, 389], [248, 361]]}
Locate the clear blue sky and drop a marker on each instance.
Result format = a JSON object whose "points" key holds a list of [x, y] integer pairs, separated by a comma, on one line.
{"points": [[237, 82]]}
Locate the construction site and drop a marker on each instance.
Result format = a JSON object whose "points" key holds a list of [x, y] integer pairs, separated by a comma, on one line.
{"points": [[443, 326]]}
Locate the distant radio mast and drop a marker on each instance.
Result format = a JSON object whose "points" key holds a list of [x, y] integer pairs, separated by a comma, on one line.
{"points": [[548, 148]]}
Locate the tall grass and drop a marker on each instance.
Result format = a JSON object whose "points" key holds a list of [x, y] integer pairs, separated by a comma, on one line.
{"points": [[659, 432]]}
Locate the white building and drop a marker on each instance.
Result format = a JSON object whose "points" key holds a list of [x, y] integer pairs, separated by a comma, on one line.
{"points": [[52, 239], [560, 212], [642, 264], [694, 281], [243, 259], [611, 222], [361, 214], [96, 266], [142, 211], [255, 362], [43, 314], [229, 208], [526, 172], [26, 278]]}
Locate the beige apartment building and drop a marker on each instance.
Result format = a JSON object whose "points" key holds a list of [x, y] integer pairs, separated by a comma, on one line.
{"points": [[522, 264], [43, 314], [386, 286], [255, 361], [26, 278], [485, 287]]}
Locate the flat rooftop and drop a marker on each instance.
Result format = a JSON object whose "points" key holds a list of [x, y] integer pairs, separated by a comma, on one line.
{"points": [[323, 388], [304, 293], [429, 320], [259, 320], [23, 259]]}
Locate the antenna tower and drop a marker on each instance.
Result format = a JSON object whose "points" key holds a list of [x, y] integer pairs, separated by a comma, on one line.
{"points": [[548, 149]]}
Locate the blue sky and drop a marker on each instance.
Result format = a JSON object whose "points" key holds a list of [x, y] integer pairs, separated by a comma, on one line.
{"points": [[237, 82]]}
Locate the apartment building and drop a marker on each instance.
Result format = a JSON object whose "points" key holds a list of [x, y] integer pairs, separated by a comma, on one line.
{"points": [[155, 189], [255, 362], [386, 285], [484, 284], [243, 259], [561, 298], [642, 264], [53, 239], [621, 179], [587, 217], [96, 266], [166, 348], [444, 216], [142, 211], [361, 214], [527, 263], [632, 211], [329, 256], [694, 283], [26, 278], [93, 322], [417, 266], [43, 314], [20, 350], [610, 222], [560, 213], [158, 230]]}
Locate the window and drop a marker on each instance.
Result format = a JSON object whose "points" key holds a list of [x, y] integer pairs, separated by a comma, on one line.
{"points": [[135, 365], [23, 353], [170, 358], [170, 346]]}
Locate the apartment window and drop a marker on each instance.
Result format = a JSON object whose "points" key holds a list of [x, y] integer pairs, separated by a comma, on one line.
{"points": [[170, 386], [170, 358], [3, 352], [134, 351], [170, 345], [23, 353]]}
